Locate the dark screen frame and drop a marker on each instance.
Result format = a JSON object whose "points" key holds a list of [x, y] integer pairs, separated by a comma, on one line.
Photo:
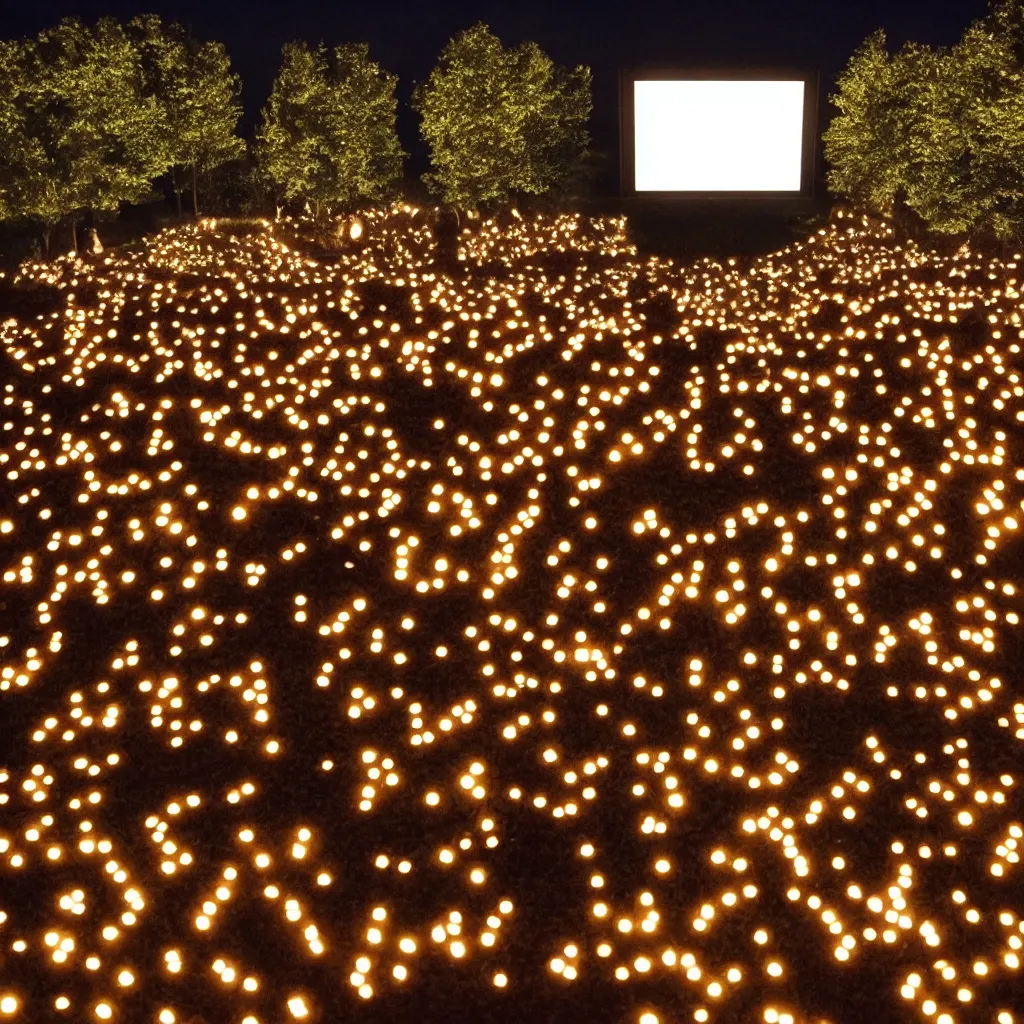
{"points": [[627, 151]]}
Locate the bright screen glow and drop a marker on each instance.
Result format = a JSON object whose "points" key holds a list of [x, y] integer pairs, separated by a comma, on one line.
{"points": [[705, 136]]}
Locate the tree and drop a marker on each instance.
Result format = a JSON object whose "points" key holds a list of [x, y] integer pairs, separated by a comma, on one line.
{"points": [[114, 127], [164, 56], [260, 190], [286, 144], [552, 139], [28, 186], [932, 91], [363, 150], [867, 144], [592, 167], [210, 113], [225, 188], [1005, 21], [15, 141], [82, 135], [329, 132], [198, 96], [500, 122], [939, 132], [989, 56]]}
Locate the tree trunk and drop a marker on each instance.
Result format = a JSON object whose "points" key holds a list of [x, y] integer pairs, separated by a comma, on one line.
{"points": [[905, 220], [177, 188], [74, 231], [46, 241], [195, 197]]}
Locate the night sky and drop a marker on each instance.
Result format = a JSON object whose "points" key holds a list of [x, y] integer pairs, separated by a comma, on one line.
{"points": [[407, 38]]}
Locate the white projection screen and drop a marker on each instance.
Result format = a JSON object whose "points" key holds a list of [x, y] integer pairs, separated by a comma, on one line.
{"points": [[723, 134]]}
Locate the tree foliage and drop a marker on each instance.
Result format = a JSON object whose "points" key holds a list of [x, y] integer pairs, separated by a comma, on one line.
{"points": [[210, 112], [866, 145], [932, 91], [286, 145], [197, 94], [19, 150], [162, 57], [80, 134], [502, 122], [967, 134], [225, 188], [992, 116], [1005, 20], [581, 182], [940, 131], [329, 133]]}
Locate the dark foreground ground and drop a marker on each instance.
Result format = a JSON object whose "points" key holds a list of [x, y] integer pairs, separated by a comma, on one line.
{"points": [[540, 631]]}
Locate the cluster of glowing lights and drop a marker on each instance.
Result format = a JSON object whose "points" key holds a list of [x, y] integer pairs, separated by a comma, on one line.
{"points": [[742, 590]]}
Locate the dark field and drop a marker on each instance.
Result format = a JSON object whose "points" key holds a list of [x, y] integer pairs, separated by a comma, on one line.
{"points": [[519, 629]]}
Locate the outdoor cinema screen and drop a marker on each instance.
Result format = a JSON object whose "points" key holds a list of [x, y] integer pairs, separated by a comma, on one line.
{"points": [[709, 135]]}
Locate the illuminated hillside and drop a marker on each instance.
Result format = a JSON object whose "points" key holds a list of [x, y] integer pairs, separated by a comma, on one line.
{"points": [[540, 634]]}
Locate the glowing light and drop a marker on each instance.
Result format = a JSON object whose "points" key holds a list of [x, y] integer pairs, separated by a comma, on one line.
{"points": [[260, 598]]}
